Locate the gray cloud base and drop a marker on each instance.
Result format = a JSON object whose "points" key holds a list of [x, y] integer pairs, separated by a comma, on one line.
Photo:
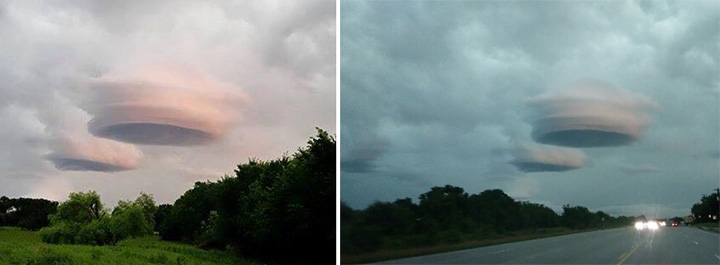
{"points": [[73, 164], [162, 104], [445, 88], [590, 113]]}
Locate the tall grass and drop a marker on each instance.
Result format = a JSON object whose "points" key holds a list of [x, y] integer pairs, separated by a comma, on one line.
{"points": [[24, 247]]}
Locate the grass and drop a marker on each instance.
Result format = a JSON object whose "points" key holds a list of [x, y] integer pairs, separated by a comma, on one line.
{"points": [[25, 247], [389, 254], [710, 226]]}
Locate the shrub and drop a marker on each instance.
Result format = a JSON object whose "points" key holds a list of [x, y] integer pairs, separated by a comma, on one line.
{"points": [[59, 233], [96, 232], [81, 220], [129, 220]]}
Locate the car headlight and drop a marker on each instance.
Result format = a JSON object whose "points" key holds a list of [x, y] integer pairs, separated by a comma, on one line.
{"points": [[639, 225], [652, 225]]}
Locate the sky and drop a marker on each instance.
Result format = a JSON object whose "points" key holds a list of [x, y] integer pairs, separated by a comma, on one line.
{"points": [[611, 105], [123, 97]]}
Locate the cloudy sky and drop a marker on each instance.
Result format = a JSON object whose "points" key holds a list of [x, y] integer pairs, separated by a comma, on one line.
{"points": [[131, 96], [612, 105]]}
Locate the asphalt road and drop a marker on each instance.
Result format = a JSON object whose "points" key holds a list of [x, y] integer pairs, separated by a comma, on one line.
{"points": [[667, 245]]}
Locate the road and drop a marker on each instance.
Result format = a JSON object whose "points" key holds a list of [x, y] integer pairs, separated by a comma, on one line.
{"points": [[667, 245]]}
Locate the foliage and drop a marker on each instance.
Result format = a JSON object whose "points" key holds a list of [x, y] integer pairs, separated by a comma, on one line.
{"points": [[26, 213], [448, 215], [25, 247], [82, 220], [286, 205], [81, 207], [577, 217], [163, 211], [189, 211], [709, 206], [129, 219]]}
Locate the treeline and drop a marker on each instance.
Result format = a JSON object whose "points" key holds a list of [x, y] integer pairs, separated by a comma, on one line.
{"points": [[449, 215], [708, 207], [26, 213], [280, 210], [82, 219]]}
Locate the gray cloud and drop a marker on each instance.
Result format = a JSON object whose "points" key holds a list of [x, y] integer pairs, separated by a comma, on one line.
{"points": [[447, 87], [68, 63], [537, 158], [82, 152], [589, 113], [639, 169]]}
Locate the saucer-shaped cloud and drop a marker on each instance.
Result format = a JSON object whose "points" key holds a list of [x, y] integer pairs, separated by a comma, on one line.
{"points": [[93, 154], [166, 106], [537, 158], [589, 113]]}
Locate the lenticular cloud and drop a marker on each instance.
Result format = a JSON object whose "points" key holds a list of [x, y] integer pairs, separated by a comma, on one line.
{"points": [[590, 113], [75, 153], [162, 106], [537, 158]]}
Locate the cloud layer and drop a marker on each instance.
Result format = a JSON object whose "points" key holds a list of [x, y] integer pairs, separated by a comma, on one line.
{"points": [[589, 113], [178, 91], [544, 158], [437, 93], [163, 105], [77, 153]]}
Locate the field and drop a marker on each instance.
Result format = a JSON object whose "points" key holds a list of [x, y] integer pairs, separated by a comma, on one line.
{"points": [[714, 227], [24, 247]]}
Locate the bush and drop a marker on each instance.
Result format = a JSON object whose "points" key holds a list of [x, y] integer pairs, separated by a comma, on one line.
{"points": [[81, 220], [129, 220], [96, 232]]}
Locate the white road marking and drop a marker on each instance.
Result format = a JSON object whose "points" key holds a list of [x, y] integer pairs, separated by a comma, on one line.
{"points": [[717, 256]]}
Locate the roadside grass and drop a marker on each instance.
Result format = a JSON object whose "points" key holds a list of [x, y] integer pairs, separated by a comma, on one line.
{"points": [[389, 254], [709, 226], [25, 247]]}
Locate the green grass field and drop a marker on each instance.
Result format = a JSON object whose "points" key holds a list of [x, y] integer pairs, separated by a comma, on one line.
{"points": [[24, 247]]}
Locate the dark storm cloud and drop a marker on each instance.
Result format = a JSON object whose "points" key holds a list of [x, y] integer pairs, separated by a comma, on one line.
{"points": [[536, 158], [365, 151], [446, 84], [589, 113]]}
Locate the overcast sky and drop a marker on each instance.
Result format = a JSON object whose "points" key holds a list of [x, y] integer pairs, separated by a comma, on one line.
{"points": [[612, 105], [128, 96]]}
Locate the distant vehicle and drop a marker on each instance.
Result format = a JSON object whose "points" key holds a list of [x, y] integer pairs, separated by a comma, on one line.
{"points": [[674, 224]]}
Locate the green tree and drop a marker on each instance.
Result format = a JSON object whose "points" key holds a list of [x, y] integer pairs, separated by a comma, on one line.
{"points": [[129, 219], [82, 220], [446, 205], [708, 207], [189, 211], [163, 211], [577, 217], [81, 207]]}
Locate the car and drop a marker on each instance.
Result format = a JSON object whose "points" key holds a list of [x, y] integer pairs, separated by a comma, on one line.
{"points": [[674, 224]]}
